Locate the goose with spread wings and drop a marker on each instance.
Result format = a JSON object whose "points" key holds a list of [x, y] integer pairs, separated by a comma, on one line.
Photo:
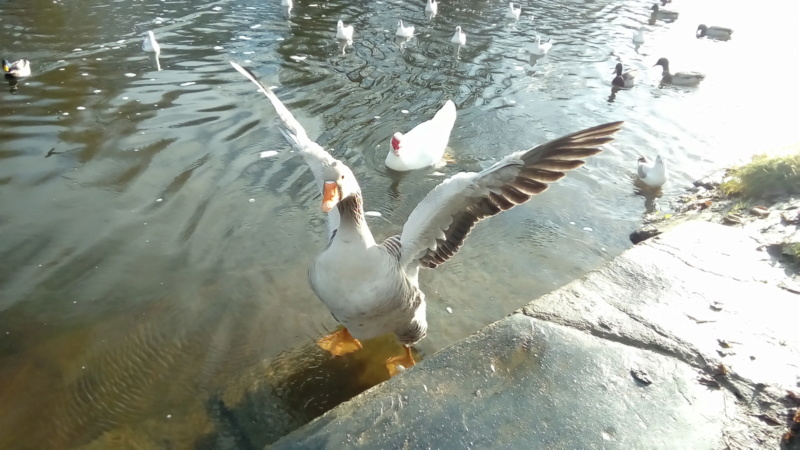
{"points": [[373, 288]]}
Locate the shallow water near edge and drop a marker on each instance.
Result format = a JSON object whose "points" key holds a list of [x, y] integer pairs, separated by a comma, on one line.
{"points": [[152, 263]]}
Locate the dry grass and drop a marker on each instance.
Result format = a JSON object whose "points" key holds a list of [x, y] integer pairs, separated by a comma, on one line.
{"points": [[764, 176]]}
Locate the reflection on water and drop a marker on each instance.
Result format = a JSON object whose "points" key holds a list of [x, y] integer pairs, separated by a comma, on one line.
{"points": [[153, 267]]}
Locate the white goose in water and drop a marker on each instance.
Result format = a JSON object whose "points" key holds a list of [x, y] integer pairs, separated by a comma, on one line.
{"points": [[652, 173], [459, 37], [431, 8], [373, 289], [678, 78], [404, 31], [539, 48], [718, 33], [425, 144], [149, 44], [513, 12], [344, 33]]}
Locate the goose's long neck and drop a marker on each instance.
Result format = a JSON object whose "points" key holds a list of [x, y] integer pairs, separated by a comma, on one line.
{"points": [[353, 225]]}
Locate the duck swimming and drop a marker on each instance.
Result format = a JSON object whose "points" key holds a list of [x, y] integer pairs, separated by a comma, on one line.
{"points": [[373, 288], [624, 79], [718, 33], [664, 14], [678, 78], [18, 69]]}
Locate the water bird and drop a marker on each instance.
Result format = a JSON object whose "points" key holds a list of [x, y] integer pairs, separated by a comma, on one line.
{"points": [[678, 78], [652, 173], [459, 37], [638, 38], [425, 144], [539, 48], [513, 12], [624, 79], [719, 33], [664, 14], [344, 33], [404, 31], [431, 8], [18, 69], [149, 44], [288, 4], [373, 288]]}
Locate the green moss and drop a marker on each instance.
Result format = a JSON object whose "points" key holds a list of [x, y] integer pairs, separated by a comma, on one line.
{"points": [[764, 176]]}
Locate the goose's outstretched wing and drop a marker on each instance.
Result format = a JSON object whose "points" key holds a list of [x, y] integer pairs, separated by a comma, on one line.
{"points": [[315, 156], [438, 226]]}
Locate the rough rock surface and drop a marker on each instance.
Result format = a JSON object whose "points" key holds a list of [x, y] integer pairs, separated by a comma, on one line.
{"points": [[684, 341]]}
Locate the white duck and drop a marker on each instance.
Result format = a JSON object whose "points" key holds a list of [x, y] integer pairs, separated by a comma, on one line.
{"points": [[149, 44], [404, 31], [652, 173], [539, 48], [678, 78], [718, 33], [624, 79], [431, 8], [664, 14], [18, 69], [344, 33], [459, 37], [425, 144], [513, 12], [373, 289]]}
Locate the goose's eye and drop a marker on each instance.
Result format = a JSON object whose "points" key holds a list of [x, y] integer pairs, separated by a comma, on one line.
{"points": [[342, 177]]}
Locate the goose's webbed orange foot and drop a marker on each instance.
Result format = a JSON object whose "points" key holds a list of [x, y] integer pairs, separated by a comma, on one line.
{"points": [[339, 343], [396, 364]]}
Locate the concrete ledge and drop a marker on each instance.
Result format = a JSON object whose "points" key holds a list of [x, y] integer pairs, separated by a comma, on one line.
{"points": [[684, 341]]}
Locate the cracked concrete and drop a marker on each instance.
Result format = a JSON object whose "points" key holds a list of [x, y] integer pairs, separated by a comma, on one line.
{"points": [[697, 311]]}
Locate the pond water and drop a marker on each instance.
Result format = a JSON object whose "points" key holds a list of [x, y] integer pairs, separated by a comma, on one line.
{"points": [[153, 264]]}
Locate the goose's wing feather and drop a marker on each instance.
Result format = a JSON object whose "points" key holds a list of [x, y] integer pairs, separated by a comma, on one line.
{"points": [[315, 156], [438, 226]]}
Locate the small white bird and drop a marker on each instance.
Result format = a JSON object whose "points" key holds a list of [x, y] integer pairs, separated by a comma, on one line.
{"points": [[404, 31], [287, 4], [513, 11], [344, 33], [541, 49], [638, 38], [431, 8], [17, 69], [460, 37], [652, 173], [678, 78], [624, 79], [718, 33], [149, 43]]}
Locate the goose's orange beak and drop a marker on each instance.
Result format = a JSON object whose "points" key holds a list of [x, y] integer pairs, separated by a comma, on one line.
{"points": [[330, 196]]}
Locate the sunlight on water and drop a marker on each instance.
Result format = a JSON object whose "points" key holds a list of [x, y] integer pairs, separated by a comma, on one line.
{"points": [[157, 229]]}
